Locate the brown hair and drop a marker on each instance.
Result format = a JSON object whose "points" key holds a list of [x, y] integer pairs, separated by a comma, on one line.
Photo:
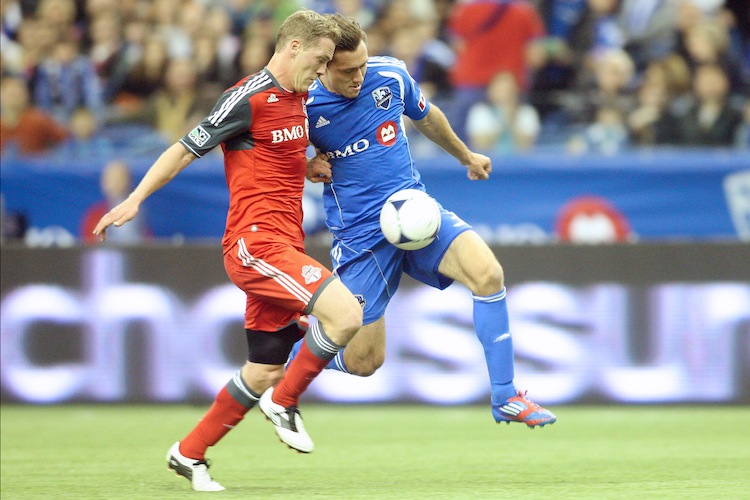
{"points": [[352, 33], [308, 26]]}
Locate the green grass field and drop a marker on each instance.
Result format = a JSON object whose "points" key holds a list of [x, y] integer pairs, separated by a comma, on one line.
{"points": [[384, 452]]}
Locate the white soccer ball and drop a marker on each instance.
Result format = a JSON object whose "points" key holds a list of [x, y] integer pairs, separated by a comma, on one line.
{"points": [[410, 219]]}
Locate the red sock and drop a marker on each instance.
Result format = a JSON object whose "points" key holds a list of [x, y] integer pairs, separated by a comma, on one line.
{"points": [[221, 417], [298, 376]]}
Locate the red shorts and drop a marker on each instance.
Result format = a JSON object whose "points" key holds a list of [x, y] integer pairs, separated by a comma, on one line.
{"points": [[280, 281]]}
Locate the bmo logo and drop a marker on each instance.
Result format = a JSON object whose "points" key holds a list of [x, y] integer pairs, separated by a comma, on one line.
{"points": [[350, 149], [288, 134], [387, 133]]}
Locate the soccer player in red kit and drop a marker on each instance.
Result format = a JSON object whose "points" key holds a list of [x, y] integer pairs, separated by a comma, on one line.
{"points": [[261, 125]]}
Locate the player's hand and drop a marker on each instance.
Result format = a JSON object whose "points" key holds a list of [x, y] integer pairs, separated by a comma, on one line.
{"points": [[319, 169], [118, 216], [479, 167]]}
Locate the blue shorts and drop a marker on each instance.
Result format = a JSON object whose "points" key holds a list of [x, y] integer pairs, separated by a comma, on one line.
{"points": [[371, 267]]}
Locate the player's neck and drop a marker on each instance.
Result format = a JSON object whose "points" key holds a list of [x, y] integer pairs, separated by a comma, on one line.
{"points": [[278, 67], [324, 82]]}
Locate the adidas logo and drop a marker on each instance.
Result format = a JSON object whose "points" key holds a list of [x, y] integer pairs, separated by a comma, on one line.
{"points": [[512, 408], [322, 122], [272, 98]]}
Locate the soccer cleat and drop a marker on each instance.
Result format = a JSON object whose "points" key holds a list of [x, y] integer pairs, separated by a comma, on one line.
{"points": [[520, 409], [195, 471], [287, 422]]}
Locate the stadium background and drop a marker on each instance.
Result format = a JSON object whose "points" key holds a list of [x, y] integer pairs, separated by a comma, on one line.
{"points": [[628, 268]]}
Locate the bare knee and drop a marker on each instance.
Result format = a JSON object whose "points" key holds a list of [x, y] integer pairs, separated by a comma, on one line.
{"points": [[350, 320], [339, 313], [487, 280], [364, 366], [259, 377]]}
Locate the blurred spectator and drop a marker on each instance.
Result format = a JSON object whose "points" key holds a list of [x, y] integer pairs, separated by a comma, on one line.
{"points": [[253, 56], [599, 31], [209, 70], [611, 87], [145, 76], [649, 28], [427, 59], [218, 25], [651, 122], [11, 16], [165, 18], [61, 15], [675, 73], [562, 16], [174, 109], [260, 27], [86, 139], [111, 55], [67, 80], [94, 8], [503, 123], [442, 11], [115, 183], [259, 18], [556, 56], [360, 10], [11, 19], [711, 120], [490, 37], [393, 16], [12, 224], [742, 138], [736, 15], [35, 41], [707, 42], [607, 135], [25, 129]]}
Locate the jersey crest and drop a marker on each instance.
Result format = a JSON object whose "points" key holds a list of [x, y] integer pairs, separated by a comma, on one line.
{"points": [[383, 97]]}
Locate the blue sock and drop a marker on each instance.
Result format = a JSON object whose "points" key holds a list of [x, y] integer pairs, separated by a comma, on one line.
{"points": [[493, 330], [337, 363]]}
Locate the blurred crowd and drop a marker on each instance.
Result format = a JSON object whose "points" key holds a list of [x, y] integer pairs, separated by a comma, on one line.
{"points": [[82, 76]]}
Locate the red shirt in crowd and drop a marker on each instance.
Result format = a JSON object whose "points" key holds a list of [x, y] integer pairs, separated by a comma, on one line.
{"points": [[493, 37]]}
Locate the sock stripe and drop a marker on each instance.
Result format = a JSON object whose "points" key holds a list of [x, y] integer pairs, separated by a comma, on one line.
{"points": [[321, 340], [241, 392], [491, 298], [339, 362]]}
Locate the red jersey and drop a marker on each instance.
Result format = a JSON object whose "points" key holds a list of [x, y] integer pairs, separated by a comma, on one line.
{"points": [[262, 129], [495, 36], [35, 132]]}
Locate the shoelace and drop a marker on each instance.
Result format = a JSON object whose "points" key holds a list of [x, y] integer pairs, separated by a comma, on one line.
{"points": [[291, 411], [532, 405]]}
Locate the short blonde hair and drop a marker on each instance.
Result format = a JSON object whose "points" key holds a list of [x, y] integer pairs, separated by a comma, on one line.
{"points": [[308, 26]]}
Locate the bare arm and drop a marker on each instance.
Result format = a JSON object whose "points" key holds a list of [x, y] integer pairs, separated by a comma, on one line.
{"points": [[165, 168], [436, 128]]}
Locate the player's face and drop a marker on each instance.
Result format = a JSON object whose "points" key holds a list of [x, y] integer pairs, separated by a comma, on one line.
{"points": [[310, 63], [346, 72]]}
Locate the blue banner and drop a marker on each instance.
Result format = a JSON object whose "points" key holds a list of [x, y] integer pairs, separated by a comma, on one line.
{"points": [[535, 198]]}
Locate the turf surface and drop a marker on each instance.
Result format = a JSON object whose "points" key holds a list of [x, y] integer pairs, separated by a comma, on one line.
{"points": [[384, 452]]}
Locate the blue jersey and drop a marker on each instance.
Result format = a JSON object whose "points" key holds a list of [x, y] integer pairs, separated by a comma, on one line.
{"points": [[366, 143]]}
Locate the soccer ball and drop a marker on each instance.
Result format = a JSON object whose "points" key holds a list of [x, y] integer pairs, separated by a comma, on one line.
{"points": [[410, 219]]}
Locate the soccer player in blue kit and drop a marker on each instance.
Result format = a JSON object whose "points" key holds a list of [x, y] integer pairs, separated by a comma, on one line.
{"points": [[356, 113]]}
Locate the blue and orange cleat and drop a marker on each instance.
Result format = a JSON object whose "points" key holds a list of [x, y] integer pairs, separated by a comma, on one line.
{"points": [[520, 409]]}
